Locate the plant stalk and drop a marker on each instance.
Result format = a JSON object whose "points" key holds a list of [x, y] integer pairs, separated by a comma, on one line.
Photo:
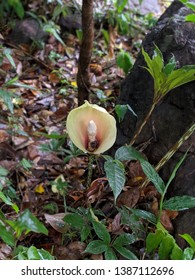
{"points": [[137, 133], [90, 170]]}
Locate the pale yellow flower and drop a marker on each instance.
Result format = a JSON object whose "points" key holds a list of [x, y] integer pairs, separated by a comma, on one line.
{"points": [[91, 128]]}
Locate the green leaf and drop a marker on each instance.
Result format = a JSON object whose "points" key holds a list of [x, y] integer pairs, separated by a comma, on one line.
{"points": [[190, 5], [153, 176], [7, 235], [126, 253], [121, 110], [74, 220], [177, 253], [7, 99], [188, 254], [153, 240], [190, 18], [3, 172], [124, 61], [128, 153], [148, 216], [116, 176], [109, 254], [120, 5], [170, 66], [38, 254], [179, 203], [27, 222], [7, 201], [7, 53], [124, 239], [101, 231], [189, 240], [179, 77], [85, 231], [166, 247], [96, 247]]}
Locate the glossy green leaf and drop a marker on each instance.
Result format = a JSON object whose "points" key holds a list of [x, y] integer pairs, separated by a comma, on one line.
{"points": [[166, 247], [170, 66], [96, 247], [176, 253], [128, 153], [75, 220], [7, 99], [148, 216], [7, 235], [124, 239], [189, 240], [27, 222], [179, 203], [153, 176], [38, 254], [7, 201], [153, 240], [116, 176], [190, 18], [126, 253], [101, 231], [85, 231]]}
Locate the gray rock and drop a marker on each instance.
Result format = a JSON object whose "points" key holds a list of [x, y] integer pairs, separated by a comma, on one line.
{"points": [[176, 113], [26, 31]]}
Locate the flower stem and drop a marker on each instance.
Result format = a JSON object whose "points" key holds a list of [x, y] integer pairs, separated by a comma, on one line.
{"points": [[137, 133], [90, 170]]}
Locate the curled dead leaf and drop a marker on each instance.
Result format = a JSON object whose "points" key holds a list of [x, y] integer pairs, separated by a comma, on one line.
{"points": [[56, 221]]}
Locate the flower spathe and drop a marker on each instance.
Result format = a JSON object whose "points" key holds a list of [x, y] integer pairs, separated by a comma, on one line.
{"points": [[91, 128]]}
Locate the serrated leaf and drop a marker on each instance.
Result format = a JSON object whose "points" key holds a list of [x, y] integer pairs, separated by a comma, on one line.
{"points": [[96, 247], [116, 176], [101, 231], [179, 203]]}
